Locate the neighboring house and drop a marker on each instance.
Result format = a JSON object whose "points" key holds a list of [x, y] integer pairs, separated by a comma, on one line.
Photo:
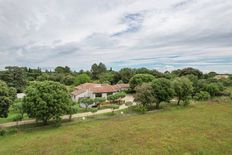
{"points": [[220, 77], [20, 95], [93, 90]]}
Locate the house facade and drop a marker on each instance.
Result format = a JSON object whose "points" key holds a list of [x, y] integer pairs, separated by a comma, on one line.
{"points": [[93, 90]]}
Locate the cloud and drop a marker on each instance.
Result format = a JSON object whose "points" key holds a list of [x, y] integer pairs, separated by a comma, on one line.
{"points": [[156, 34]]}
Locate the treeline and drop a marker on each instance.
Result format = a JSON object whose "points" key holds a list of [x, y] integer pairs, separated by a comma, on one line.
{"points": [[48, 92], [19, 77]]}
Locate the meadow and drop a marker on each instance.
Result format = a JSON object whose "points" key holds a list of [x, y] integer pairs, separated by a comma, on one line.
{"points": [[201, 128]]}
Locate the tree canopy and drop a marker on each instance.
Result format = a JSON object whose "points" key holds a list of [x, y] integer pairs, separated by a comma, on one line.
{"points": [[6, 98], [46, 100], [138, 79], [162, 90], [183, 89], [14, 77]]}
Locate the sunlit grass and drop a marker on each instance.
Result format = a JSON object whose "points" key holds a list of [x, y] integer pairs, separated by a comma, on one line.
{"points": [[202, 128]]}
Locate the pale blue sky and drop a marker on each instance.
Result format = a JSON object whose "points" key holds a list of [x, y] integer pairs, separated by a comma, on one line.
{"points": [[163, 35]]}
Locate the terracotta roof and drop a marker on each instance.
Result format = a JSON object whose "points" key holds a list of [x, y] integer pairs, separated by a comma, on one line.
{"points": [[98, 88]]}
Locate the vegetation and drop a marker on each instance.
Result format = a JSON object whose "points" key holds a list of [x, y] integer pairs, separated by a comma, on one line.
{"points": [[205, 128], [183, 89], [202, 96], [7, 96], [46, 100], [144, 94], [82, 78], [139, 79], [162, 91], [117, 96], [87, 102]]}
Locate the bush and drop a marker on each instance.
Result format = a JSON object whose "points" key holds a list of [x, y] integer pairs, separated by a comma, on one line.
{"points": [[17, 118], [140, 109], [116, 96], [3, 132], [186, 102], [202, 96], [129, 103], [110, 106], [93, 110]]}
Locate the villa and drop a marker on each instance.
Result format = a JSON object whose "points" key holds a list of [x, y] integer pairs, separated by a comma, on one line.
{"points": [[93, 90]]}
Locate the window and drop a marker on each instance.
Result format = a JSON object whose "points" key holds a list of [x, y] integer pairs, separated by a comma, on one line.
{"points": [[98, 95], [109, 94]]}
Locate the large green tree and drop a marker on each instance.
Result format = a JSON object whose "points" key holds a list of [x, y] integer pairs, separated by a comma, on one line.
{"points": [[126, 74], [14, 77], [138, 79], [162, 91], [144, 94], [6, 98], [46, 100], [82, 78], [97, 69], [183, 89], [63, 70]]}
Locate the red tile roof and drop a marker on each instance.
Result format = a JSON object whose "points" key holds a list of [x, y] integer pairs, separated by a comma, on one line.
{"points": [[99, 88]]}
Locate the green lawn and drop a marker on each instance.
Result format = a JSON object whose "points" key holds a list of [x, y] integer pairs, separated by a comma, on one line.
{"points": [[198, 129]]}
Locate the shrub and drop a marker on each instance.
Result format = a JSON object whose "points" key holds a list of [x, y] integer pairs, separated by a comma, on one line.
{"points": [[93, 110], [3, 132], [116, 96], [110, 106], [202, 96], [12, 131], [186, 102], [17, 118], [129, 103], [140, 109]]}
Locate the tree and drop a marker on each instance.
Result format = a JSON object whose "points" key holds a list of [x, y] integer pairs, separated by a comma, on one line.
{"points": [[99, 100], [73, 110], [138, 79], [62, 70], [46, 100], [14, 77], [43, 77], [82, 78], [107, 77], [144, 94], [194, 80], [162, 91], [6, 99], [126, 74], [68, 80], [183, 89], [96, 70], [18, 108], [213, 89], [87, 102], [116, 96], [188, 71]]}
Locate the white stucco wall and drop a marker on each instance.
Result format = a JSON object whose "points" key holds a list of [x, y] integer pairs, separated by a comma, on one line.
{"points": [[84, 94], [104, 95]]}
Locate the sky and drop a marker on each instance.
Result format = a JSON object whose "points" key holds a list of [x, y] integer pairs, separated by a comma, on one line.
{"points": [[162, 35]]}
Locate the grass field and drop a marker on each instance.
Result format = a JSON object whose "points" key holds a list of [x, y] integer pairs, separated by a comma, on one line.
{"points": [[199, 129]]}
